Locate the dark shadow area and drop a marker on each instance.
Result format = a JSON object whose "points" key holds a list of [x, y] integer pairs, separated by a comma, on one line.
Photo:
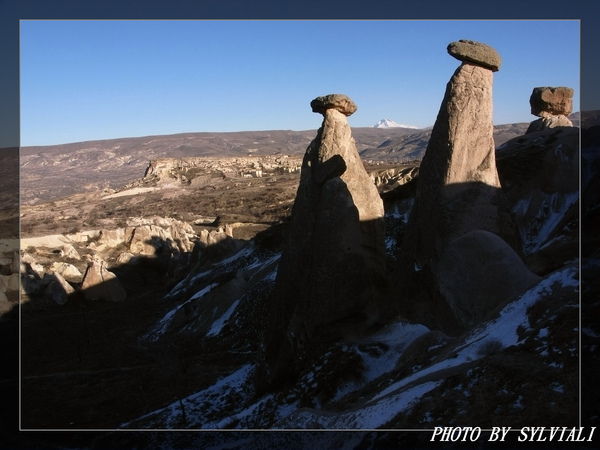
{"points": [[84, 365], [9, 321]]}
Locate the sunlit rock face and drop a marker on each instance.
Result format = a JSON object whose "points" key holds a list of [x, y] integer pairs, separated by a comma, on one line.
{"points": [[330, 280], [458, 192], [458, 188]]}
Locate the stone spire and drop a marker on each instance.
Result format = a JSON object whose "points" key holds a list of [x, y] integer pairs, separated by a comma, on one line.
{"points": [[459, 194], [330, 278], [458, 187]]}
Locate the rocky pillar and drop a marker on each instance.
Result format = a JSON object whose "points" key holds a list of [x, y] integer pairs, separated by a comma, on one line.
{"points": [[458, 186], [331, 275]]}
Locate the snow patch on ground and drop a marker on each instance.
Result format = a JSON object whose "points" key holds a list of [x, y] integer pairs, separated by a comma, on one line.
{"points": [[164, 323], [551, 211], [502, 329], [373, 415], [218, 324], [203, 409]]}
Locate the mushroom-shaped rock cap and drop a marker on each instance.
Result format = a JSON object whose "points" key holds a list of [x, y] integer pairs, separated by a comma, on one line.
{"points": [[341, 102], [476, 53]]}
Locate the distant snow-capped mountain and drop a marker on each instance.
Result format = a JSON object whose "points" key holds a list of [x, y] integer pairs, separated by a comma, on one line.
{"points": [[387, 123]]}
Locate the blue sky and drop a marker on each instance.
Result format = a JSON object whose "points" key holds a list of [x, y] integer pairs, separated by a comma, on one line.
{"points": [[87, 80]]}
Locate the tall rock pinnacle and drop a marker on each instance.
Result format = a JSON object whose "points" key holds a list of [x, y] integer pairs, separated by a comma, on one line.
{"points": [[330, 278], [458, 187], [458, 193]]}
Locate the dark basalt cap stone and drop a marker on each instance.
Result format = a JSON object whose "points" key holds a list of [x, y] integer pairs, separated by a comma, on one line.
{"points": [[476, 53], [341, 102]]}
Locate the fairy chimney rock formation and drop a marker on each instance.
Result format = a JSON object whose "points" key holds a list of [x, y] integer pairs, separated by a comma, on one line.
{"points": [[330, 278], [552, 105], [458, 187]]}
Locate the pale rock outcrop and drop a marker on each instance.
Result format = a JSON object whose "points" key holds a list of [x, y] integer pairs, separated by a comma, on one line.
{"points": [[101, 284], [112, 238], [83, 236], [67, 270], [147, 240], [28, 263], [330, 278], [69, 251], [58, 288], [552, 105], [127, 258]]}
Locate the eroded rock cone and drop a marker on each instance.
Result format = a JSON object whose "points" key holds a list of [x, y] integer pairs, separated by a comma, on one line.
{"points": [[552, 105], [458, 188], [330, 278]]}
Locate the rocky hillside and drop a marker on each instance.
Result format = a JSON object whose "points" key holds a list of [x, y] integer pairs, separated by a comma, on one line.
{"points": [[193, 320], [238, 293], [56, 171], [52, 172]]}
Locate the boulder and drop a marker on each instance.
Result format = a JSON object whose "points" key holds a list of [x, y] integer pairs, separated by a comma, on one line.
{"points": [[69, 251], [58, 289], [112, 238], [553, 105], [554, 101], [67, 270], [101, 284], [475, 53], [479, 271], [147, 240], [340, 102], [127, 258], [330, 278]]}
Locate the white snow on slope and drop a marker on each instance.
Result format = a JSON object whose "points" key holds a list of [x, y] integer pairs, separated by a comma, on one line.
{"points": [[202, 410], [502, 329], [228, 402], [218, 324], [164, 323], [551, 211]]}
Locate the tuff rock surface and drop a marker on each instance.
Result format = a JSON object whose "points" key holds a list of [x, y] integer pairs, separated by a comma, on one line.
{"points": [[475, 53], [101, 284], [458, 189], [330, 278], [552, 105]]}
